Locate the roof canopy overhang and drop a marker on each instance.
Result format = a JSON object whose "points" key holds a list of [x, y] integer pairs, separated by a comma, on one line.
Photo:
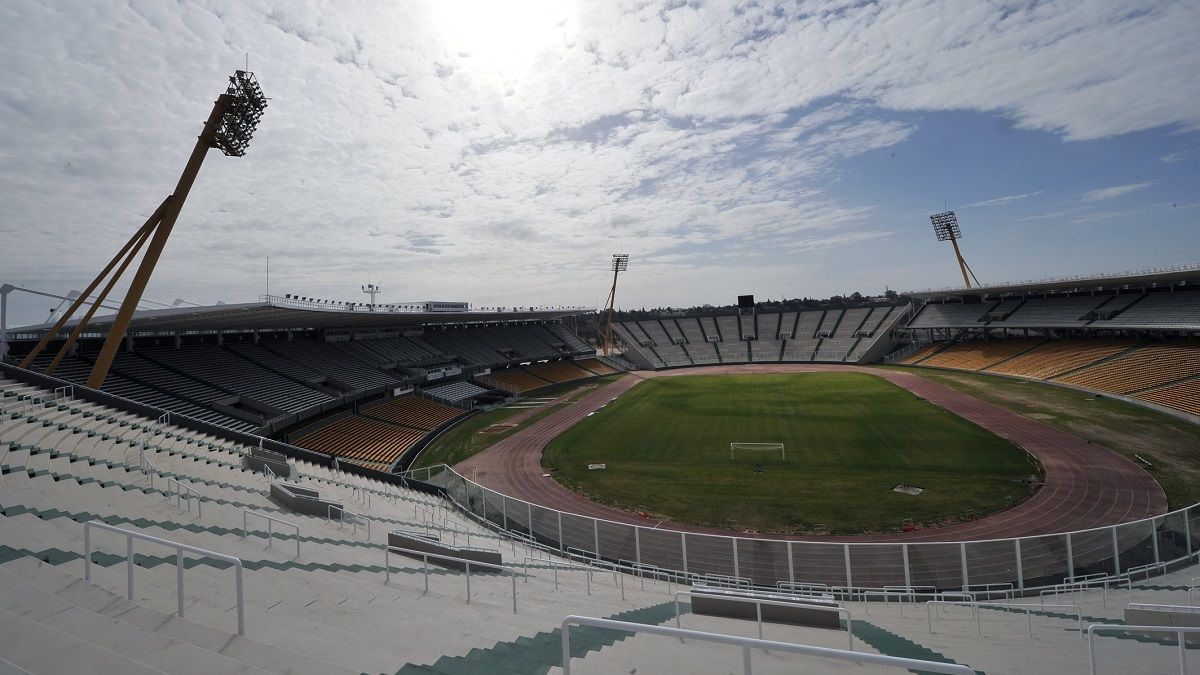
{"points": [[269, 316], [1175, 276]]}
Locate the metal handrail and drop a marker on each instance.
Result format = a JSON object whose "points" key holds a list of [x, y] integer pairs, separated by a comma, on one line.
{"points": [[270, 532], [1191, 609], [269, 473], [570, 567], [147, 467], [975, 606], [1179, 632], [354, 518], [759, 602], [130, 535], [180, 489], [751, 643], [901, 595], [425, 555]]}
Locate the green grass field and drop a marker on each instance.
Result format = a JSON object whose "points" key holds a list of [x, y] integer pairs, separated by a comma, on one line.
{"points": [[850, 437]]}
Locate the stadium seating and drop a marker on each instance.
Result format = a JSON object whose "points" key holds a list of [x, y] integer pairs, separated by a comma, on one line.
{"points": [[976, 355], [596, 366], [949, 315], [1159, 372], [74, 369], [1180, 309], [766, 337], [456, 392], [1160, 310], [1057, 312], [559, 371], [1152, 365], [361, 438], [513, 380], [330, 361], [284, 366], [1060, 356], [1184, 396], [923, 352], [413, 411], [334, 607], [225, 369]]}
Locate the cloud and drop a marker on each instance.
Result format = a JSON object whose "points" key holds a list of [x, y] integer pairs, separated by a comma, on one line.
{"points": [[1113, 192], [393, 146], [1175, 157], [1002, 201]]}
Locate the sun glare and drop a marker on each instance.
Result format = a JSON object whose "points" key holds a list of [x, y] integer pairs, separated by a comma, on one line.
{"points": [[504, 38]]}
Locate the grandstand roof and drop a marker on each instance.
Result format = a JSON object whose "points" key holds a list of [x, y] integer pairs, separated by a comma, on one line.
{"points": [[275, 313], [1179, 275]]}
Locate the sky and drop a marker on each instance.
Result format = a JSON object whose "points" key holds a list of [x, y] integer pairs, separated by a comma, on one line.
{"points": [[500, 152]]}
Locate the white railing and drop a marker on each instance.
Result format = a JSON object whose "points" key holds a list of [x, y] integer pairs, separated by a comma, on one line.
{"points": [[186, 494], [976, 606], [1190, 609], [147, 467], [425, 556], [1057, 556], [909, 596], [354, 518], [130, 535], [67, 392], [747, 644], [246, 513], [1179, 631], [1006, 589], [758, 602], [570, 567], [270, 475], [362, 494]]}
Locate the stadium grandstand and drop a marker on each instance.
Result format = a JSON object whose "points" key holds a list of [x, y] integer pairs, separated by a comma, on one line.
{"points": [[248, 460], [834, 335], [1133, 335], [365, 383]]}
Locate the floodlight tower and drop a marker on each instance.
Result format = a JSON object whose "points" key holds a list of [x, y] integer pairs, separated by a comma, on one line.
{"points": [[620, 263], [945, 227], [372, 290], [230, 126]]}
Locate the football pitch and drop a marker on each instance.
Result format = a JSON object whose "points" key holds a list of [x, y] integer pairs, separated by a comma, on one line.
{"points": [[849, 439]]}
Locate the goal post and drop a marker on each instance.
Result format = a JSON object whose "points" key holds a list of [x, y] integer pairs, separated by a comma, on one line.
{"points": [[757, 448]]}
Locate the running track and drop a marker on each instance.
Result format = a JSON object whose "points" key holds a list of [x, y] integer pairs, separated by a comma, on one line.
{"points": [[1086, 485]]}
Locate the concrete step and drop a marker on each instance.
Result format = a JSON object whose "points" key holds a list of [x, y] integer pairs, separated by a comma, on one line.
{"points": [[42, 649], [255, 655]]}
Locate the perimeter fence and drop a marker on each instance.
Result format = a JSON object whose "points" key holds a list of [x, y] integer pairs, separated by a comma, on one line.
{"points": [[1148, 546]]}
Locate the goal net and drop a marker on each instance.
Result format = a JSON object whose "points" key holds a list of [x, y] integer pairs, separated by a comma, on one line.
{"points": [[757, 450]]}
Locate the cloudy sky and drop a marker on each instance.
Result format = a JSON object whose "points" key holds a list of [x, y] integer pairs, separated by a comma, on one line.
{"points": [[499, 152]]}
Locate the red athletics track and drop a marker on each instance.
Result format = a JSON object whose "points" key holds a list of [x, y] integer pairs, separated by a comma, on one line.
{"points": [[1086, 485]]}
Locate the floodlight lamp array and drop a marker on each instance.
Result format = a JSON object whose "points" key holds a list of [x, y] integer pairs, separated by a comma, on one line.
{"points": [[620, 262], [945, 226], [241, 116]]}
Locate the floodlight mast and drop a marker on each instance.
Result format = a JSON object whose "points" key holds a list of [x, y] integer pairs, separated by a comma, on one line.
{"points": [[620, 263], [230, 126], [945, 228], [372, 290]]}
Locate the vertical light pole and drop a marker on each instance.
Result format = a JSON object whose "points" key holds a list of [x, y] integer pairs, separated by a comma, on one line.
{"points": [[620, 263]]}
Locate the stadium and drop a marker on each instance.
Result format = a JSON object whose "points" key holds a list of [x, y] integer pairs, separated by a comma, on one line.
{"points": [[993, 477]]}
